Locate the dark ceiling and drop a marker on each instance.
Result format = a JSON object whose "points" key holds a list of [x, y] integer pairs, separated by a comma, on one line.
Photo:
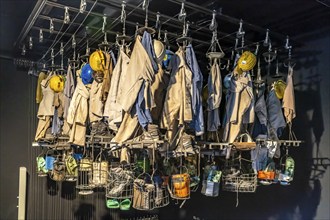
{"points": [[302, 20]]}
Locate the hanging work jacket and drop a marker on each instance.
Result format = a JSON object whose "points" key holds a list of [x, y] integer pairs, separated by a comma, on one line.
{"points": [[68, 91], [112, 109], [260, 124], [46, 108], [95, 102], [276, 119], [139, 70], [197, 122], [177, 107], [41, 77], [158, 91], [239, 106], [107, 78], [214, 86], [77, 114], [289, 99]]}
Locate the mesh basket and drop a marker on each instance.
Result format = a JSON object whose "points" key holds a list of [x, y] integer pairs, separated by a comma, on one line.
{"points": [[120, 184], [144, 195], [85, 176], [239, 183], [100, 174], [162, 197]]}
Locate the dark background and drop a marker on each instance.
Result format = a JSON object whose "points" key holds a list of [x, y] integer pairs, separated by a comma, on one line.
{"points": [[307, 198]]}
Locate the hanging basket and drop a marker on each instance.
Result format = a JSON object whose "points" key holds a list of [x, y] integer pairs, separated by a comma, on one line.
{"points": [[120, 184], [71, 169], [180, 185], [144, 194], [244, 142], [58, 171], [85, 176], [211, 185], [100, 172], [240, 182]]}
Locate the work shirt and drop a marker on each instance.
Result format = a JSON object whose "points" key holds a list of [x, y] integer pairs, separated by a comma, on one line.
{"points": [[275, 116], [214, 86], [112, 109], [177, 107], [197, 122], [289, 99]]}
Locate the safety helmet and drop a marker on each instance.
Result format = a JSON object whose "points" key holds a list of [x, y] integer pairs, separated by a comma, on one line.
{"points": [[56, 83], [159, 50], [167, 58], [97, 60], [247, 61], [86, 74], [279, 87], [226, 81]]}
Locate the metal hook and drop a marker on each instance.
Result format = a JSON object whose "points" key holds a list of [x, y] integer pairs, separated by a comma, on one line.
{"points": [[73, 41], [66, 15], [257, 49], [182, 15], [240, 31], [61, 49], [287, 43], [136, 28], [30, 43], [52, 56], [213, 24], [267, 40], [51, 26], [83, 5], [123, 12], [104, 24], [41, 36], [23, 50]]}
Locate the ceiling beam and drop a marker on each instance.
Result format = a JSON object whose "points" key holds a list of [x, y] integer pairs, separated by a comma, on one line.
{"points": [[30, 21]]}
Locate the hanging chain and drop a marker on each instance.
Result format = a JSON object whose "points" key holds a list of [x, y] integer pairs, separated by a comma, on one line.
{"points": [[123, 16], [213, 25], [66, 15], [267, 39], [83, 5], [41, 36], [51, 26], [145, 7]]}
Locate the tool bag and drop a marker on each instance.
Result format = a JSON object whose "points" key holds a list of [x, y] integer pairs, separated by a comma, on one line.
{"points": [[58, 172], [244, 142]]}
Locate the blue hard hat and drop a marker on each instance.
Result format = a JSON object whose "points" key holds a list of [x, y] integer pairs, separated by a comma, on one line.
{"points": [[87, 74], [167, 58], [226, 81]]}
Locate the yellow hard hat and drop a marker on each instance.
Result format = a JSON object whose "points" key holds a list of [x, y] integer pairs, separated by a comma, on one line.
{"points": [[56, 83], [279, 87], [159, 51], [247, 61], [97, 60]]}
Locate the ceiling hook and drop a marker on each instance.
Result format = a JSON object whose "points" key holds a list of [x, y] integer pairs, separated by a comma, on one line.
{"points": [[213, 25]]}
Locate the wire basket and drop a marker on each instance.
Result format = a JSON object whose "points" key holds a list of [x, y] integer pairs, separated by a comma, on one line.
{"points": [[144, 195], [162, 197], [100, 174], [85, 176], [120, 184], [244, 183]]}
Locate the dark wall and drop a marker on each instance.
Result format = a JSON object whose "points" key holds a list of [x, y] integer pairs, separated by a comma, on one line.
{"points": [[15, 142], [306, 198]]}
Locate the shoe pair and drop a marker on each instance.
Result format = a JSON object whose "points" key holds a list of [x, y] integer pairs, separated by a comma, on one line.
{"points": [[114, 204]]}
